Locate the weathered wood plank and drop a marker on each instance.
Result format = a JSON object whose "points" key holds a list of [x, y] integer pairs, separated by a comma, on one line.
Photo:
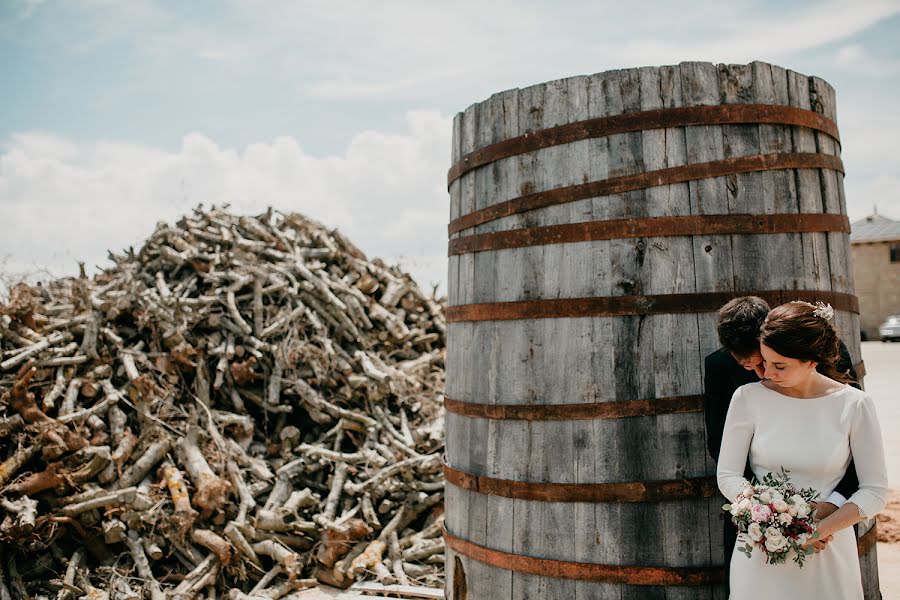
{"points": [[822, 100], [557, 444], [455, 200], [770, 87], [713, 263], [500, 521], [815, 245]]}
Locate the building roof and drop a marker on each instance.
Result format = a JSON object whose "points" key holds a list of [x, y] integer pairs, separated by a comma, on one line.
{"points": [[875, 228]]}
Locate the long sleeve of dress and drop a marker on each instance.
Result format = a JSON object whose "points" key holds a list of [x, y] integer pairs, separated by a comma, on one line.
{"points": [[867, 449], [736, 439]]}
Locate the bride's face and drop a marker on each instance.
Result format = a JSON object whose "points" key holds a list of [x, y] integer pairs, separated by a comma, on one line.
{"points": [[785, 371]]}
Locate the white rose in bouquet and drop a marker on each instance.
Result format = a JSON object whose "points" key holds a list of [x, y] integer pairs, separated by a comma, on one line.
{"points": [[775, 540], [765, 497], [755, 532], [741, 507], [785, 518], [780, 506], [777, 544], [803, 510]]}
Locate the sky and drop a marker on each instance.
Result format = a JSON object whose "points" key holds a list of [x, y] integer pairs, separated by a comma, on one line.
{"points": [[117, 115]]}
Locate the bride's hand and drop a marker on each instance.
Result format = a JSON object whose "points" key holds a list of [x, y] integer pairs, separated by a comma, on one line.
{"points": [[819, 544]]}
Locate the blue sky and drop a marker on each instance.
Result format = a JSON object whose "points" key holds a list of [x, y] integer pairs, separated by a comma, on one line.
{"points": [[118, 114]]}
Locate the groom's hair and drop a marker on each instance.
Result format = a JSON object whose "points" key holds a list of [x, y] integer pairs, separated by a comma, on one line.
{"points": [[739, 323]]}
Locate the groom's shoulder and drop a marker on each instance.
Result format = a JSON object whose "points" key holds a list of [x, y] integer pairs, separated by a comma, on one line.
{"points": [[720, 359]]}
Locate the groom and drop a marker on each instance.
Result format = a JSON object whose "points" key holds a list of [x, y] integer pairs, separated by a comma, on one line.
{"points": [[739, 362]]}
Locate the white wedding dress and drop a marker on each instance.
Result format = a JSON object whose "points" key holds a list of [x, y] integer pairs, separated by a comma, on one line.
{"points": [[814, 439]]}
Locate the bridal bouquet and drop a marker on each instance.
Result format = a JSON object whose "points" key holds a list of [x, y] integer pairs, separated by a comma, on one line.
{"points": [[774, 517]]}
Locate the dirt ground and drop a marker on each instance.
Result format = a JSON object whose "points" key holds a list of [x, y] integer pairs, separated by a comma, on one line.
{"points": [[883, 384]]}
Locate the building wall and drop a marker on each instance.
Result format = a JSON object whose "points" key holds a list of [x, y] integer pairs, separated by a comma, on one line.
{"points": [[877, 284]]}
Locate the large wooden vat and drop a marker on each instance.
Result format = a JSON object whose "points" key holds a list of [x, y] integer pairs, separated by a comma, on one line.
{"points": [[596, 225]]}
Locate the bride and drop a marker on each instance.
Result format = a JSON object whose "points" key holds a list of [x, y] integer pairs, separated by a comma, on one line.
{"points": [[810, 424]]}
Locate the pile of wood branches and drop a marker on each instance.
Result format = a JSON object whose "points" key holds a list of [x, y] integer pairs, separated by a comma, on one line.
{"points": [[247, 405]]}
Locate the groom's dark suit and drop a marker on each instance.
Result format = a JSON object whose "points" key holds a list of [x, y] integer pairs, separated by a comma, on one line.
{"points": [[723, 375]]}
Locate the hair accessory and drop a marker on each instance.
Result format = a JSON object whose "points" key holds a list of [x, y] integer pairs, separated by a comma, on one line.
{"points": [[824, 310]]}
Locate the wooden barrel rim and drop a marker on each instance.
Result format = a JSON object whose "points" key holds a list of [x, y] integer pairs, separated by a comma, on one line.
{"points": [[646, 179], [571, 233], [575, 412], [620, 492], [663, 118], [868, 540], [617, 306], [633, 575]]}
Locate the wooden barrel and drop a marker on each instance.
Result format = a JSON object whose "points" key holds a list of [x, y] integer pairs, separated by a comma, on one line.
{"points": [[596, 225]]}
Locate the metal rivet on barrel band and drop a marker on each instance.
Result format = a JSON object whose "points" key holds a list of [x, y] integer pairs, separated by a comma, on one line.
{"points": [[642, 121], [639, 181], [571, 233], [614, 306], [633, 575]]}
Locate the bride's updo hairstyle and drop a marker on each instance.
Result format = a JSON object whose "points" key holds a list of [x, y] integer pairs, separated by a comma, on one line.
{"points": [[803, 331]]}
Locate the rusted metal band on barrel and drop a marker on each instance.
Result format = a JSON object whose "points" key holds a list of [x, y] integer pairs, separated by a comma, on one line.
{"points": [[629, 491], [631, 575], [629, 183], [868, 540], [574, 412], [641, 121], [620, 306], [571, 233]]}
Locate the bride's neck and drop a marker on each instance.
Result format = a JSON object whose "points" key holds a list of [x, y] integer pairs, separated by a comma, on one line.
{"points": [[812, 387]]}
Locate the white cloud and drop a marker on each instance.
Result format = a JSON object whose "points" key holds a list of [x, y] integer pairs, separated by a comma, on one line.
{"points": [[753, 36], [851, 54], [62, 202], [46, 146], [856, 59], [405, 49]]}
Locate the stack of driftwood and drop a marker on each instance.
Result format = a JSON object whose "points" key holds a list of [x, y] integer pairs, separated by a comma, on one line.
{"points": [[245, 406]]}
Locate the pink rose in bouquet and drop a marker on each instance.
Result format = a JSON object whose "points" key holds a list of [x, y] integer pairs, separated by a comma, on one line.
{"points": [[761, 513]]}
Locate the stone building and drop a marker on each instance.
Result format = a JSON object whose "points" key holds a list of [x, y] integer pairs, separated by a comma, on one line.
{"points": [[875, 245]]}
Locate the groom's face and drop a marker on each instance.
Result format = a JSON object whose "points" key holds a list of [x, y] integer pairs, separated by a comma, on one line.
{"points": [[754, 363]]}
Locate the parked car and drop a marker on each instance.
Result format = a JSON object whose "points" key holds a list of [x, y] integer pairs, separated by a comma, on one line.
{"points": [[890, 329]]}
